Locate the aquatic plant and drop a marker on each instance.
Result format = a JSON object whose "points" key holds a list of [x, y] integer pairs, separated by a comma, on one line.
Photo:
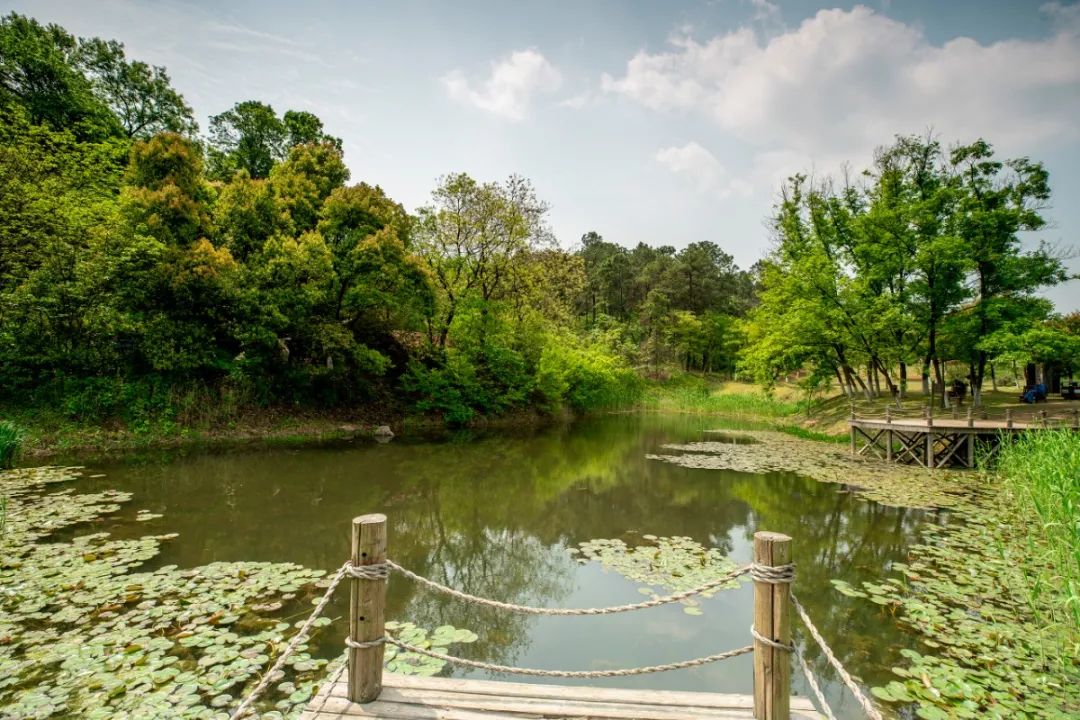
{"points": [[11, 440], [672, 563], [886, 483], [965, 592], [1042, 470], [84, 632]]}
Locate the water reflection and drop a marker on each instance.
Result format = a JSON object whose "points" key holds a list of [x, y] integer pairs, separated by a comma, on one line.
{"points": [[494, 516]]}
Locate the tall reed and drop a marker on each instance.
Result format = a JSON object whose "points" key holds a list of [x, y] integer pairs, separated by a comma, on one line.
{"points": [[1042, 469]]}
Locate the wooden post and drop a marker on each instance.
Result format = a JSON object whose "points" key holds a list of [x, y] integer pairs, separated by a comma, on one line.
{"points": [[367, 609], [1076, 418], [970, 417], [955, 412], [1042, 417], [772, 606], [1008, 417]]}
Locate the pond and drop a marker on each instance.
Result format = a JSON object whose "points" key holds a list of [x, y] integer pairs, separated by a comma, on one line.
{"points": [[495, 515]]}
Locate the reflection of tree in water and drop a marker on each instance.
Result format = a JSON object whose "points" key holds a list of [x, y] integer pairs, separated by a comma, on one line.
{"points": [[838, 535], [493, 515]]}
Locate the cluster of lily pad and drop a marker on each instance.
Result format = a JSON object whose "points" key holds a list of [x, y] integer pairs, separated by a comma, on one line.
{"points": [[888, 484], [988, 652], [673, 564], [409, 663], [84, 633]]}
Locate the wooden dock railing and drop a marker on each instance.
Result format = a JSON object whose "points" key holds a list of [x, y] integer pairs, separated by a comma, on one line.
{"points": [[772, 572], [369, 567]]}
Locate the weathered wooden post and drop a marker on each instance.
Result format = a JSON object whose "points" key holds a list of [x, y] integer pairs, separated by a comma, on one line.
{"points": [[1042, 417], [1076, 418], [772, 619], [1008, 417], [930, 436], [367, 609], [888, 434], [970, 417]]}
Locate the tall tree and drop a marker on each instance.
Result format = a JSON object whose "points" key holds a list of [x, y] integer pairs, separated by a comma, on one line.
{"points": [[250, 136], [141, 95], [38, 71], [998, 200]]}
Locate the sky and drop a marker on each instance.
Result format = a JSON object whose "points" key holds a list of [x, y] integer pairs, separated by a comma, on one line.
{"points": [[658, 122]]}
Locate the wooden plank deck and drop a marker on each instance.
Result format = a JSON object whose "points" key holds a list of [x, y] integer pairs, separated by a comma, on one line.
{"points": [[961, 425], [437, 698]]}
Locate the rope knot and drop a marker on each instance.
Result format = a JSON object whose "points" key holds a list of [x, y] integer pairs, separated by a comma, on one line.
{"points": [[364, 645], [773, 574], [770, 642], [378, 571]]}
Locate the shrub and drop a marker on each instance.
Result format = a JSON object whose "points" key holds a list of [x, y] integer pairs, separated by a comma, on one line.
{"points": [[11, 440]]}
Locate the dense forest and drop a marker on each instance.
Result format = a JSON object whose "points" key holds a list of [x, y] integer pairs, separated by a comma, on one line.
{"points": [[147, 268]]}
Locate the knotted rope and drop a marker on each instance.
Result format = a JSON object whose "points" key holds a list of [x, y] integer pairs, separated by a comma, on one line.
{"points": [[773, 574], [867, 706], [527, 610], [299, 637]]}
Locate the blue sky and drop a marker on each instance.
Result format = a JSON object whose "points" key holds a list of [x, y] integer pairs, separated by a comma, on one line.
{"points": [[663, 122]]}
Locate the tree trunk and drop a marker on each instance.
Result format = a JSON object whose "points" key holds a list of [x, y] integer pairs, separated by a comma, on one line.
{"points": [[840, 379], [993, 377], [939, 379], [903, 380]]}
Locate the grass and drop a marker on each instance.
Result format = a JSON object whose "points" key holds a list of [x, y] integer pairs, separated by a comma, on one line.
{"points": [[11, 440], [1042, 469], [807, 434], [695, 394]]}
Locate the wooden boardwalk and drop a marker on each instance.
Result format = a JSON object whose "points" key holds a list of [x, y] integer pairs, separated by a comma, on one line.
{"points": [[933, 443], [406, 697]]}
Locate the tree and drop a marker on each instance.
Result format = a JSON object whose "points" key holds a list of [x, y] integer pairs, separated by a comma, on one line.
{"points": [[250, 136], [38, 71], [140, 95], [997, 201], [166, 195], [473, 237]]}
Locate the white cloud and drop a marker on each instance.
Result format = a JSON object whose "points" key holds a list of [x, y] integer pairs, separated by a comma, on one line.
{"points": [[701, 167], [576, 102], [845, 81], [509, 90]]}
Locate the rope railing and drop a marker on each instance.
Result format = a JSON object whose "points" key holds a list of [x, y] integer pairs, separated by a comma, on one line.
{"points": [[362, 571], [771, 572], [290, 648], [511, 670], [845, 677]]}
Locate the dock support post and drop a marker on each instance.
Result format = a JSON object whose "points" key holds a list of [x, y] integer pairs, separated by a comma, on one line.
{"points": [[367, 609], [772, 619], [930, 438], [888, 434], [1008, 417], [970, 418]]}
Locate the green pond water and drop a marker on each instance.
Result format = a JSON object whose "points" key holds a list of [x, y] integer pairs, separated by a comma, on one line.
{"points": [[494, 515]]}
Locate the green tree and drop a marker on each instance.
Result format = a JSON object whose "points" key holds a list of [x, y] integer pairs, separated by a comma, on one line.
{"points": [[39, 72], [140, 95], [998, 200], [250, 136]]}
